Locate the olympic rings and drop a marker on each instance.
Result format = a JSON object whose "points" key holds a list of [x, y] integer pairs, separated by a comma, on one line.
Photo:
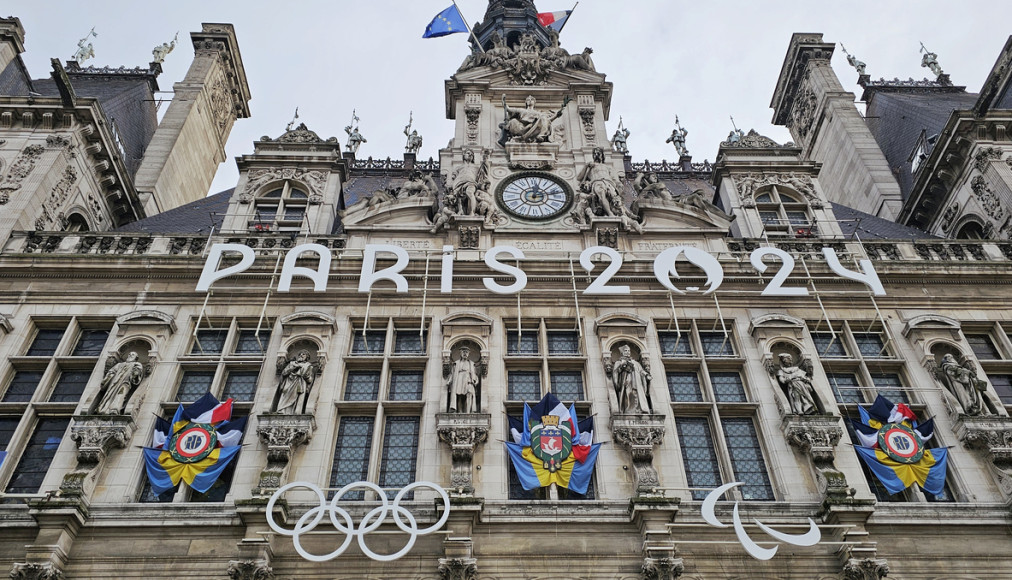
{"points": [[403, 518]]}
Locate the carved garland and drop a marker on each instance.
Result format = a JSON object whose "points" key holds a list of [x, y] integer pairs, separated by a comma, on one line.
{"points": [[314, 180], [750, 182], [990, 202], [21, 168]]}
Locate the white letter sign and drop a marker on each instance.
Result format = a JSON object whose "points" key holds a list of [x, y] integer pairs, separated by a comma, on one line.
{"points": [[665, 263], [492, 261], [211, 274], [318, 276], [369, 276]]}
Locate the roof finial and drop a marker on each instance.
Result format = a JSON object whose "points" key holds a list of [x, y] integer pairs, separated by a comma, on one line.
{"points": [[85, 51], [858, 65], [292, 123], [930, 60], [163, 50], [677, 138], [736, 134]]}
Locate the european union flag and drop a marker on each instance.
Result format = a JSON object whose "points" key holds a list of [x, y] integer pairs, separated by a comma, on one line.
{"points": [[448, 21]]}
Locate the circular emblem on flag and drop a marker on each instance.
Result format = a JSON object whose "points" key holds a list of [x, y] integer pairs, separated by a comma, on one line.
{"points": [[193, 443], [900, 443]]}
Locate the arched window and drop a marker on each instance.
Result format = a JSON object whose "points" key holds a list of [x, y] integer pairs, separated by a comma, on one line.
{"points": [[971, 231], [76, 223], [281, 209], [783, 212]]}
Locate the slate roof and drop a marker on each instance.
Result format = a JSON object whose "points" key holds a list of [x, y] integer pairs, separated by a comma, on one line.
{"points": [[14, 80], [869, 227], [897, 119], [193, 218]]}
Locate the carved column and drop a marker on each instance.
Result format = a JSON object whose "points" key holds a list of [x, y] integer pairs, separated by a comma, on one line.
{"points": [[95, 436], [817, 437], [662, 568], [991, 435], [463, 432], [281, 434], [866, 569], [36, 572], [458, 569], [638, 434], [250, 570], [660, 554]]}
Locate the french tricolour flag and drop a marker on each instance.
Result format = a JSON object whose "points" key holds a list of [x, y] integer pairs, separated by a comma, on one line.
{"points": [[554, 20]]}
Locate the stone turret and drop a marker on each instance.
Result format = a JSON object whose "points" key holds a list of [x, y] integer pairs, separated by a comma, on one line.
{"points": [[189, 145], [509, 19]]}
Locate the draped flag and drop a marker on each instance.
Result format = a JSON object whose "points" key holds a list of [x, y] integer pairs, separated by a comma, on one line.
{"points": [[196, 447], [554, 20], [550, 445], [891, 444], [448, 21], [3, 455]]}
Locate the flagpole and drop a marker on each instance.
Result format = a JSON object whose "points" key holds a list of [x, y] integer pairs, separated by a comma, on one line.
{"points": [[567, 19], [480, 47]]}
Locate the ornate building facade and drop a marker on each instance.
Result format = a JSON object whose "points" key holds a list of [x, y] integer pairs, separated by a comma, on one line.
{"points": [[382, 321]]}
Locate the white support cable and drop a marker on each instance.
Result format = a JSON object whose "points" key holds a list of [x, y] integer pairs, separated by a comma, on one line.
{"points": [[207, 244], [576, 297], [263, 311], [822, 307], [425, 296], [720, 316], [200, 317]]}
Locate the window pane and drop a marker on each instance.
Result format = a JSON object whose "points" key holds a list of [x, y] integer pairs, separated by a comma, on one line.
{"points": [[90, 343], [351, 458], [747, 459], [526, 343], [400, 453], [764, 198], [252, 342], [209, 341], [1003, 385], [22, 387], [295, 213], [45, 342], [870, 344], [241, 386], [770, 218], [982, 346], [567, 385], [362, 386], [728, 388], [369, 342], [7, 427], [39, 453], [716, 344], [409, 342], [524, 385], [194, 384], [265, 214], [829, 346], [275, 194], [297, 194], [563, 342], [406, 386], [701, 469], [797, 218], [684, 387], [70, 387], [890, 386], [845, 387], [675, 343]]}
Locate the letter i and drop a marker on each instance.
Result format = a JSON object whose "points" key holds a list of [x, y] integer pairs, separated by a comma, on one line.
{"points": [[446, 275]]}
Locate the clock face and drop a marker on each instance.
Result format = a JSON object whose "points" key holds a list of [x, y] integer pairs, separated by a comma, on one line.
{"points": [[534, 196]]}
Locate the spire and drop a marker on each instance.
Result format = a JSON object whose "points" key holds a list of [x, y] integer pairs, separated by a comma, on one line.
{"points": [[509, 19]]}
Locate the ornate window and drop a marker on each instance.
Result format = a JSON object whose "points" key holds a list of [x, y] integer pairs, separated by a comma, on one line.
{"points": [[991, 347], [859, 362], [43, 388], [282, 209], [785, 213], [713, 408]]}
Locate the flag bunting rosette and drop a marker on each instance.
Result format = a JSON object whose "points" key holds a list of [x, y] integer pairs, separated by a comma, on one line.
{"points": [[891, 442], [550, 445], [196, 447]]}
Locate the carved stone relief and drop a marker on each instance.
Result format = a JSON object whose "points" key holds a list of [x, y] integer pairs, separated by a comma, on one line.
{"points": [[463, 432], [19, 170], [282, 434], [469, 236], [866, 569], [795, 380], [458, 569], [949, 216], [95, 438], [817, 436], [314, 180], [749, 183], [803, 114], [662, 568], [988, 199], [250, 570], [639, 434], [985, 156], [47, 571]]}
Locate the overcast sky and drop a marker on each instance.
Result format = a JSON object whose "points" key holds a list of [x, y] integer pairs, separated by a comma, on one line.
{"points": [[703, 61]]}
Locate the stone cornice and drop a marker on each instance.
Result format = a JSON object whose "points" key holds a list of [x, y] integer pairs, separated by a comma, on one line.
{"points": [[221, 38], [804, 47], [12, 31]]}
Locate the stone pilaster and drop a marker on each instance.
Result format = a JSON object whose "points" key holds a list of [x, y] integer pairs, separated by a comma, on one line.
{"points": [[638, 434], [282, 434], [463, 432], [651, 515], [96, 436]]}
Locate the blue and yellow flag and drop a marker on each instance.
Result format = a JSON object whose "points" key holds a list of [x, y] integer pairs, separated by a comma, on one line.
{"points": [[448, 21]]}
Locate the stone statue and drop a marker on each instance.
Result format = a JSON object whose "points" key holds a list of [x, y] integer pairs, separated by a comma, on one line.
{"points": [[930, 60], [649, 186], [961, 380], [443, 214], [119, 382], [85, 51], [469, 182], [858, 65], [499, 53], [600, 181], [463, 383], [297, 378], [677, 138], [618, 141], [161, 51], [697, 199], [581, 61], [554, 53], [355, 139], [414, 139], [631, 382], [797, 385], [418, 185], [528, 125]]}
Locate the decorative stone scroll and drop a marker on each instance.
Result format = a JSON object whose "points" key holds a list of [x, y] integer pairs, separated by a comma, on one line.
{"points": [[282, 434], [463, 432], [33, 571], [19, 170], [95, 436], [250, 570], [987, 198], [458, 569], [639, 434], [817, 436], [314, 180]]}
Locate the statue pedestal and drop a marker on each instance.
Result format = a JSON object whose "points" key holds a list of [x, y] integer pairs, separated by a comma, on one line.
{"points": [[96, 436], [463, 432], [532, 155], [281, 434], [638, 434], [991, 434], [817, 437]]}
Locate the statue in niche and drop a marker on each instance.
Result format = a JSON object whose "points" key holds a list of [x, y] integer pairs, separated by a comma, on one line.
{"points": [[796, 382], [528, 125], [601, 182], [469, 184], [119, 383], [961, 380], [462, 384], [649, 186], [297, 377], [631, 380]]}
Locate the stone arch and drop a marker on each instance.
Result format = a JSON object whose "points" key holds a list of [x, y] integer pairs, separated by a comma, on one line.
{"points": [[970, 227], [77, 220]]}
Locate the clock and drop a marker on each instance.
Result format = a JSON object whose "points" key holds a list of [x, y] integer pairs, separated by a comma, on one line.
{"points": [[534, 196]]}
